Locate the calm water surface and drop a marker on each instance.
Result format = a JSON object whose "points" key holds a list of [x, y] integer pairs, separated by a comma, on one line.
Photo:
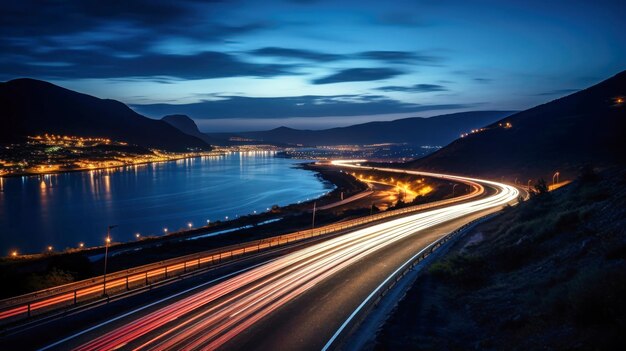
{"points": [[65, 209]]}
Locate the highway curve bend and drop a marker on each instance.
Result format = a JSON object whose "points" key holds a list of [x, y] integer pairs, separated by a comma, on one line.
{"points": [[254, 307]]}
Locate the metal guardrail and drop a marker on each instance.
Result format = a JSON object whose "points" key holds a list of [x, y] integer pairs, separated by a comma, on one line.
{"points": [[374, 298], [71, 295]]}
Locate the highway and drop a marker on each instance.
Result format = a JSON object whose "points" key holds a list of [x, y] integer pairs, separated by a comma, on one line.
{"points": [[296, 301]]}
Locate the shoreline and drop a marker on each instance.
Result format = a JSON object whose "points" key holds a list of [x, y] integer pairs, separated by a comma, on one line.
{"points": [[253, 218], [85, 263], [76, 264], [87, 169]]}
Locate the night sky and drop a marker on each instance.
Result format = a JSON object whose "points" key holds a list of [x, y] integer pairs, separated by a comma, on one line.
{"points": [[249, 65]]}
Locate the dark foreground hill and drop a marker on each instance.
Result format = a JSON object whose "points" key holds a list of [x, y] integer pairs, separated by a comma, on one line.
{"points": [[438, 130], [33, 107], [588, 127], [549, 274]]}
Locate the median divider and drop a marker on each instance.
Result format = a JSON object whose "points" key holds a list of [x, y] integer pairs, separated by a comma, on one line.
{"points": [[65, 297]]}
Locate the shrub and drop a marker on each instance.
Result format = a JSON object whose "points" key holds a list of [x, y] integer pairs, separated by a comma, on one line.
{"points": [[596, 296], [463, 270], [54, 277]]}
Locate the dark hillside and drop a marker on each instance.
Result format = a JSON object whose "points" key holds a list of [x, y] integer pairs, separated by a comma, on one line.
{"points": [[549, 274], [588, 127]]}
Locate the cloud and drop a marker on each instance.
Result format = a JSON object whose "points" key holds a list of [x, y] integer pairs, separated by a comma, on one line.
{"points": [[417, 88], [398, 57], [285, 107], [102, 39], [483, 80], [296, 53], [558, 92], [84, 64], [359, 75], [391, 57], [32, 17]]}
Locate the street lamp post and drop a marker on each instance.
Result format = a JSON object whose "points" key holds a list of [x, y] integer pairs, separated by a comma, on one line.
{"points": [[106, 254]]}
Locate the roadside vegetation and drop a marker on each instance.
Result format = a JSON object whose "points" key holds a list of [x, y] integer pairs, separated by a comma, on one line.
{"points": [[547, 274]]}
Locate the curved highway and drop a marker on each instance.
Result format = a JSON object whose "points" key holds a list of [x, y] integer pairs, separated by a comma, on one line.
{"points": [[296, 301]]}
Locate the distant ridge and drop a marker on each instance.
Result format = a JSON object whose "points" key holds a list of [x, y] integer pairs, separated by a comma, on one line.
{"points": [[438, 130], [189, 127], [31, 107], [585, 128]]}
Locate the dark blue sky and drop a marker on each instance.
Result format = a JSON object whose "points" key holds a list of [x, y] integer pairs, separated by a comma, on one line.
{"points": [[241, 65]]}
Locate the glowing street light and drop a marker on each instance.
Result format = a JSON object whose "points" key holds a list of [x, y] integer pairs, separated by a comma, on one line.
{"points": [[107, 241], [189, 225], [14, 253], [50, 248], [137, 235], [208, 221], [81, 245], [226, 217], [165, 230]]}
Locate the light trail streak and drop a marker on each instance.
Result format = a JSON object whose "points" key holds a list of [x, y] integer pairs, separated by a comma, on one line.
{"points": [[212, 317]]}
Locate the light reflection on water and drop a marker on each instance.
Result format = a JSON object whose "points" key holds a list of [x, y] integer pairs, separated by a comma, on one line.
{"points": [[65, 209]]}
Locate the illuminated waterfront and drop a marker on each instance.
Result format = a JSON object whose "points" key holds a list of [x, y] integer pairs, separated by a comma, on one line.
{"points": [[66, 209]]}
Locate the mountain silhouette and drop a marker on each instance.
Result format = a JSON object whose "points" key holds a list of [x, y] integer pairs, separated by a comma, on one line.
{"points": [[438, 130], [34, 107], [189, 127]]}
